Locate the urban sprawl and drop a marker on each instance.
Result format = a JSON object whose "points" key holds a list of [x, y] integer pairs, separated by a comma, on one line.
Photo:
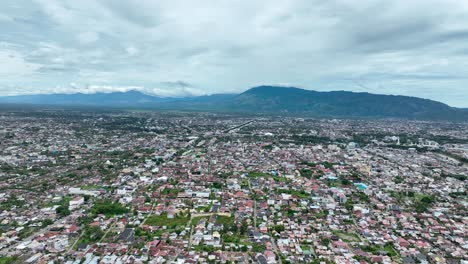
{"points": [[86, 186]]}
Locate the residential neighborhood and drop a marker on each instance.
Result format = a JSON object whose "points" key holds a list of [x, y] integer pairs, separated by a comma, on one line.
{"points": [[83, 186]]}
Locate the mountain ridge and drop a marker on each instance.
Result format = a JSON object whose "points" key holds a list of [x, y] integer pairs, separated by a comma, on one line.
{"points": [[343, 103], [267, 99]]}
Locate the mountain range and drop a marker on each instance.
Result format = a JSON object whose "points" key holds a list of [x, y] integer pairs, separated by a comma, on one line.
{"points": [[266, 99]]}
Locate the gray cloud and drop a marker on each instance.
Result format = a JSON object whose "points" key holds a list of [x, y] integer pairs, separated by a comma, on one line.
{"points": [[177, 84], [404, 47]]}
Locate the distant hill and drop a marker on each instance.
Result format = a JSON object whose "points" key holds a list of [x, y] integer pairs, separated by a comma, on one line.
{"points": [[267, 99], [130, 98], [114, 99], [344, 104]]}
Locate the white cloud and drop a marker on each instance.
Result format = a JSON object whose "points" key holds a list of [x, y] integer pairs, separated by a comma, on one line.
{"points": [[131, 50], [415, 48], [174, 91], [88, 37], [14, 65], [5, 18], [109, 89]]}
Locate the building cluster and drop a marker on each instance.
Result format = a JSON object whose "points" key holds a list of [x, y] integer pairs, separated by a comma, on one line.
{"points": [[136, 187]]}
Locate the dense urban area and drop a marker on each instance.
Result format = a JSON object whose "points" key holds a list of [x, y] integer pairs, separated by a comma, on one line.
{"points": [[88, 186]]}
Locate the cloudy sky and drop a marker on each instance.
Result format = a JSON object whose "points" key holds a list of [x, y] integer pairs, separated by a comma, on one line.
{"points": [[175, 48]]}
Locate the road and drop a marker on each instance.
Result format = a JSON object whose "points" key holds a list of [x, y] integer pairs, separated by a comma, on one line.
{"points": [[191, 232], [149, 214], [178, 250], [107, 232], [239, 126]]}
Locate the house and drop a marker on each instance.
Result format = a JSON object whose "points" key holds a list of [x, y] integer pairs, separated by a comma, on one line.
{"points": [[270, 256], [262, 260], [128, 235], [403, 242], [76, 202]]}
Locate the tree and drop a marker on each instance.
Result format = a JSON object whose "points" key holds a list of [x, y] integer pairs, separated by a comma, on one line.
{"points": [[258, 247], [108, 208], [47, 222], [62, 210], [398, 179], [423, 204], [345, 181], [212, 196], [217, 185], [427, 199], [234, 228], [279, 228], [92, 234], [243, 228], [325, 241]]}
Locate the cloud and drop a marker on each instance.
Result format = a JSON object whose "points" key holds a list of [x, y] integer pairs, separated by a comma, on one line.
{"points": [[180, 84], [90, 89], [174, 92], [15, 64], [88, 37], [5, 18], [131, 50], [413, 48]]}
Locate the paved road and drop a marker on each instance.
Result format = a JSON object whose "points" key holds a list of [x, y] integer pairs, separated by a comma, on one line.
{"points": [[191, 232], [108, 230], [149, 214], [178, 250], [74, 243]]}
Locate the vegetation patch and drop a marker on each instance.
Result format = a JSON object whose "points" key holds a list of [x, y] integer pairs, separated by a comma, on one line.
{"points": [[423, 202], [298, 193], [162, 220], [346, 236], [108, 208], [91, 234], [226, 221], [459, 177], [8, 260]]}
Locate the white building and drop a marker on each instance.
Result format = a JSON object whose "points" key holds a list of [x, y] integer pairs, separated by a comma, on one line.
{"points": [[75, 203]]}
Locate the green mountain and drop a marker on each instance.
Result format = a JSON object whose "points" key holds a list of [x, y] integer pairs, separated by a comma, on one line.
{"points": [[266, 99], [343, 104]]}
